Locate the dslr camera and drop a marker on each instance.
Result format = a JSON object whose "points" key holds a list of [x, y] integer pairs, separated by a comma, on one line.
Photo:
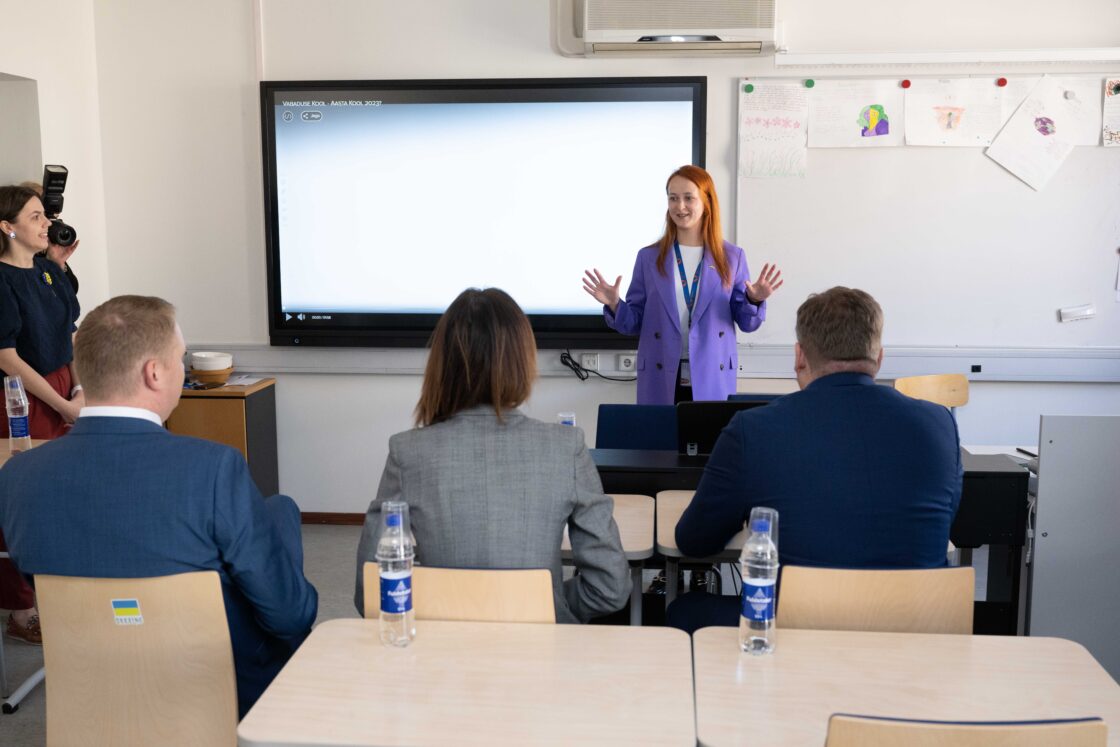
{"points": [[54, 183]]}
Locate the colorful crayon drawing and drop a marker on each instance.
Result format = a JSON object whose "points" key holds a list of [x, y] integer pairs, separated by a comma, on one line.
{"points": [[1044, 125], [949, 117], [874, 121]]}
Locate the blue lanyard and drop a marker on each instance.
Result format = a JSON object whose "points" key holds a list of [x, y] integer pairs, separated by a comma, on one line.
{"points": [[689, 295]]}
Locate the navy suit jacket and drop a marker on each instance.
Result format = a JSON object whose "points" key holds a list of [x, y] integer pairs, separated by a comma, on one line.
{"points": [[123, 498], [861, 475]]}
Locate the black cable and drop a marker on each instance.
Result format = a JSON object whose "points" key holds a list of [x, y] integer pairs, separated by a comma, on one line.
{"points": [[583, 374]]}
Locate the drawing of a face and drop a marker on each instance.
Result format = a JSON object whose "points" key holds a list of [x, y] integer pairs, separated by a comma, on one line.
{"points": [[873, 119], [1044, 125]]}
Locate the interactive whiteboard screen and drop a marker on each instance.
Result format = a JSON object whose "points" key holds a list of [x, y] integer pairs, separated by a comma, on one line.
{"points": [[385, 199]]}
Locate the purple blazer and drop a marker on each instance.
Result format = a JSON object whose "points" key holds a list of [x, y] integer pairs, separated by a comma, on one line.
{"points": [[650, 311]]}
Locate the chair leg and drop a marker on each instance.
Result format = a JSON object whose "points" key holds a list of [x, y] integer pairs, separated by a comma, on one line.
{"points": [[11, 703], [3, 670]]}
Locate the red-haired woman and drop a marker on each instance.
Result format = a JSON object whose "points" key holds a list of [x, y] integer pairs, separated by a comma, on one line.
{"points": [[688, 292]]}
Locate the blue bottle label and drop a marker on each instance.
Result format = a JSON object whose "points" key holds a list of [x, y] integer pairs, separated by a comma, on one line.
{"points": [[17, 427], [758, 600], [396, 593]]}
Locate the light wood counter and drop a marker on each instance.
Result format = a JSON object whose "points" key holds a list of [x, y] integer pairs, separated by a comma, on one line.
{"points": [[483, 683], [786, 698]]}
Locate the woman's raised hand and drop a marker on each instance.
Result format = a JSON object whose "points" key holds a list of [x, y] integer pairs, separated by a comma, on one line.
{"points": [[768, 281], [598, 288]]}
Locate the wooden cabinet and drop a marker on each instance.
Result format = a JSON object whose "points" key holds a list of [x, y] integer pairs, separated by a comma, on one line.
{"points": [[243, 417]]}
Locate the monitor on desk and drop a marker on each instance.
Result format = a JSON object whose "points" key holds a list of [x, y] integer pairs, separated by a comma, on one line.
{"points": [[699, 423]]}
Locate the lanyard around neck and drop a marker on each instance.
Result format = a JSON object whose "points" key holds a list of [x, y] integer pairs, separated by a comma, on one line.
{"points": [[689, 295]]}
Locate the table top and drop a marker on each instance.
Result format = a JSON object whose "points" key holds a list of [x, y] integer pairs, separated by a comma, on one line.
{"points": [[229, 391], [634, 516], [490, 683], [670, 505], [787, 697], [5, 455]]}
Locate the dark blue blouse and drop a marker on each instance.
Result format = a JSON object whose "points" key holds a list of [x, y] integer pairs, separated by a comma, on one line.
{"points": [[38, 309]]}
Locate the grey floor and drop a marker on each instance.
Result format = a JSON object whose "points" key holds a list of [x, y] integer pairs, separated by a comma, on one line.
{"points": [[328, 562]]}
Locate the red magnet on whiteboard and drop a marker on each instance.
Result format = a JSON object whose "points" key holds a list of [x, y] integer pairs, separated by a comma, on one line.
{"points": [[1001, 82], [905, 83]]}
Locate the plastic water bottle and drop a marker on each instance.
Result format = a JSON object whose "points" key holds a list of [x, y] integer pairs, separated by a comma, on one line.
{"points": [[394, 557], [16, 401], [759, 564]]}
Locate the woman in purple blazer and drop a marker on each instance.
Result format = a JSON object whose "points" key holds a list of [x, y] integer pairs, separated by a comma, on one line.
{"points": [[688, 292]]}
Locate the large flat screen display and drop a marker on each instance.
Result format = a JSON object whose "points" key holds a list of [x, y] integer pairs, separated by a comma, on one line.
{"points": [[385, 199]]}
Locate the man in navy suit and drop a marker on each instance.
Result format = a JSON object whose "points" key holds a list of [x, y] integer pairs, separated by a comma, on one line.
{"points": [[861, 475], [120, 497]]}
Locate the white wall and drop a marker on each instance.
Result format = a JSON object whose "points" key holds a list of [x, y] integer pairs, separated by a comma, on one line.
{"points": [[53, 44], [182, 183]]}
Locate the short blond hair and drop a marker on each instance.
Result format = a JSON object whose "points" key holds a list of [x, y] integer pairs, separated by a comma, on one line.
{"points": [[116, 338], [841, 325]]}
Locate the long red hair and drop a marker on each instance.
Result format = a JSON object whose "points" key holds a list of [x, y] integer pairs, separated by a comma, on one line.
{"points": [[710, 226]]}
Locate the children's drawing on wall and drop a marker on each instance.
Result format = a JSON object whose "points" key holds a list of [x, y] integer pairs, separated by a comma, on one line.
{"points": [[956, 112], [856, 114], [874, 121], [1039, 136], [1110, 123], [772, 126]]}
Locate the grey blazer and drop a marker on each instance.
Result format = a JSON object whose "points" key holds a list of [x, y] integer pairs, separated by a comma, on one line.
{"points": [[489, 494]]}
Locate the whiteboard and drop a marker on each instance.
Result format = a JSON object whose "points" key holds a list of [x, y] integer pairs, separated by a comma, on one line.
{"points": [[958, 251]]}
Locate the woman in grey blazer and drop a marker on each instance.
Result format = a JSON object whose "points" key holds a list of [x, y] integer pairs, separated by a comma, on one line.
{"points": [[487, 486]]}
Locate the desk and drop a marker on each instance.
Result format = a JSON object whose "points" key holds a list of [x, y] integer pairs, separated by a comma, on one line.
{"points": [[634, 516], [486, 683], [670, 505], [786, 698], [993, 512], [243, 417]]}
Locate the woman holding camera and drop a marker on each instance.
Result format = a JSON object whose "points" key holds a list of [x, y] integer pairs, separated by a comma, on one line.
{"points": [[487, 486], [38, 309]]}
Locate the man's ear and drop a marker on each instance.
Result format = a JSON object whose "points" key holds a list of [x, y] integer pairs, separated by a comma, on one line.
{"points": [[151, 373], [800, 362], [878, 362]]}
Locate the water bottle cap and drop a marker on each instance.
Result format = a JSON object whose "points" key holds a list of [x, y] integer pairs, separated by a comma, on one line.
{"points": [[760, 525], [393, 520]]}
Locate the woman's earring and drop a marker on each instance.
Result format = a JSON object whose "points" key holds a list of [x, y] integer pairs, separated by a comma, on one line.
{"points": [[11, 234]]}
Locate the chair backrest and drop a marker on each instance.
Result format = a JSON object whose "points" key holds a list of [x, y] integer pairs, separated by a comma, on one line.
{"points": [[934, 600], [749, 397], [950, 390], [845, 730], [636, 427], [471, 594], [137, 660]]}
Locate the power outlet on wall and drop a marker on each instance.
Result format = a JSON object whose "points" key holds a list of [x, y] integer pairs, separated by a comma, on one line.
{"points": [[590, 361], [626, 361]]}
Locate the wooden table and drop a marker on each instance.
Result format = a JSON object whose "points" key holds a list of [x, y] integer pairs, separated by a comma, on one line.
{"points": [[670, 505], [634, 516], [482, 683], [787, 697], [241, 416], [5, 455]]}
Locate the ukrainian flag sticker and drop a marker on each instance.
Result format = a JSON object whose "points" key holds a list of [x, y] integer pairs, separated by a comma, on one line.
{"points": [[127, 612]]}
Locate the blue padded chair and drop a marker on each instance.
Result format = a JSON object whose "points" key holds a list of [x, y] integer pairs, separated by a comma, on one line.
{"points": [[744, 397], [637, 427]]}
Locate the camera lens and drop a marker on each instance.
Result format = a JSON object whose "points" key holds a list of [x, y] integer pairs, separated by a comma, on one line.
{"points": [[61, 234]]}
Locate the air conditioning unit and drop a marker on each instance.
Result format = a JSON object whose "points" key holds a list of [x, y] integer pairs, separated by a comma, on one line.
{"points": [[682, 27]]}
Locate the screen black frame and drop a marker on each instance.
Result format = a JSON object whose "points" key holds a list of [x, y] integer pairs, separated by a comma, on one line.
{"points": [[552, 331]]}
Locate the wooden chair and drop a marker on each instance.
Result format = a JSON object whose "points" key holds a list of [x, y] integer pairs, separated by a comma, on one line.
{"points": [[137, 660], [936, 600], [845, 730], [950, 390], [476, 595]]}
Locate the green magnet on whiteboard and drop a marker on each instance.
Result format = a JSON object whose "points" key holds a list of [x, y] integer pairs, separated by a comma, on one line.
{"points": [[810, 83], [748, 88]]}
